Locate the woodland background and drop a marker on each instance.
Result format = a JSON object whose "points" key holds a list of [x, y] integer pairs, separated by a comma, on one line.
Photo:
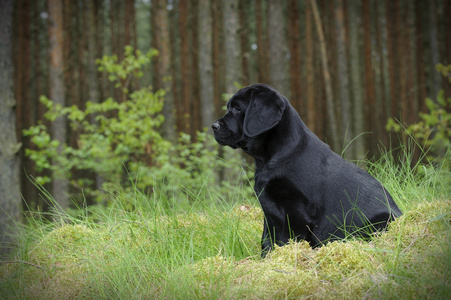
{"points": [[346, 66]]}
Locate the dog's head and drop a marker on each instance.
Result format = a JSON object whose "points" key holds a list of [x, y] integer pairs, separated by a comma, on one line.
{"points": [[251, 112]]}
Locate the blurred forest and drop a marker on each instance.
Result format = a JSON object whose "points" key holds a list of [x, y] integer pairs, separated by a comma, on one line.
{"points": [[346, 66]]}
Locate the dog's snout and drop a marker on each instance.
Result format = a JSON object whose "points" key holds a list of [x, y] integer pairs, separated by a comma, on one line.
{"points": [[215, 126]]}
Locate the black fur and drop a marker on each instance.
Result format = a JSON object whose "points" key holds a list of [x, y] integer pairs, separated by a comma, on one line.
{"points": [[306, 190]]}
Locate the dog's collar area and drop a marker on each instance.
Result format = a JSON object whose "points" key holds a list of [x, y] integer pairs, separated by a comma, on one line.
{"points": [[242, 144]]}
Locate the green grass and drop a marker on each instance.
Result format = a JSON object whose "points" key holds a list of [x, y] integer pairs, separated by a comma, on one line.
{"points": [[147, 247]]}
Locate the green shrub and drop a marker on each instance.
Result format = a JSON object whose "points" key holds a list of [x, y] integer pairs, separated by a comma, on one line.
{"points": [[433, 131], [121, 142]]}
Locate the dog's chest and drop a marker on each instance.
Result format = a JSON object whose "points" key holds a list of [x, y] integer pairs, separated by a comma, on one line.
{"points": [[280, 190]]}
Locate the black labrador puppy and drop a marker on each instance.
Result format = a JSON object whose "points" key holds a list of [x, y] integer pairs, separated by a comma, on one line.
{"points": [[306, 190]]}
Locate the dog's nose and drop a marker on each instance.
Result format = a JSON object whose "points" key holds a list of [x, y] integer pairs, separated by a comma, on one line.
{"points": [[215, 126]]}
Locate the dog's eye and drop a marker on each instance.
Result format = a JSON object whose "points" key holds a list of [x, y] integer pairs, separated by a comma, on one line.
{"points": [[236, 107]]}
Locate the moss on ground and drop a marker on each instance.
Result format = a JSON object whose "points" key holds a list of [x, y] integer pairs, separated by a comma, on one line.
{"points": [[205, 255]]}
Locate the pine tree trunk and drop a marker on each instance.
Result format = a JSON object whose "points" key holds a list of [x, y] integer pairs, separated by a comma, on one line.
{"points": [[343, 74], [10, 200], [26, 108], [371, 108], [206, 63], [332, 121], [244, 40], [231, 45], [419, 41], [185, 92], [311, 114], [436, 77], [56, 93], [162, 78], [408, 107], [358, 146], [218, 62], [92, 15], [447, 41], [278, 61], [232, 63], [130, 24], [383, 86], [195, 109], [262, 44], [295, 54]]}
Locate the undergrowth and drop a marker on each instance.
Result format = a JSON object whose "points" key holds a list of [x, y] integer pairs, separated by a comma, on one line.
{"points": [[174, 248]]}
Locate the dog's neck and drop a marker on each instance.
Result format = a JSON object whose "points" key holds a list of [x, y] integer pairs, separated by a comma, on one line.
{"points": [[278, 145]]}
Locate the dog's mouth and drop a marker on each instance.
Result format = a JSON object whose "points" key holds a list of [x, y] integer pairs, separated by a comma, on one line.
{"points": [[227, 138], [242, 144], [232, 144]]}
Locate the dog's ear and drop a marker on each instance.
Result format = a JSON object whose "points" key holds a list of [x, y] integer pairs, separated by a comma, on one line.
{"points": [[263, 113]]}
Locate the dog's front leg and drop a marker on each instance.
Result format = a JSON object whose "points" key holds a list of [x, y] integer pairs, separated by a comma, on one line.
{"points": [[267, 242]]}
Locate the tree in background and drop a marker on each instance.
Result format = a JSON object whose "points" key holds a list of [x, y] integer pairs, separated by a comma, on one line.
{"points": [[206, 63], [278, 48], [327, 80], [387, 49], [186, 78], [343, 72], [10, 200], [356, 110], [162, 67], [311, 115], [26, 85], [294, 42], [262, 43], [232, 47], [56, 93]]}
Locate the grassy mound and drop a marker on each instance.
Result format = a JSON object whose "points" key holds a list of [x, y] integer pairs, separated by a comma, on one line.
{"points": [[216, 256], [209, 250]]}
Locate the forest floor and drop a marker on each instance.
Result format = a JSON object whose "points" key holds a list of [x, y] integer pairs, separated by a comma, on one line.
{"points": [[212, 251]]}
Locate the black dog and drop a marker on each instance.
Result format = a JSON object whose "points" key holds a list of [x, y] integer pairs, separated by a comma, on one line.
{"points": [[306, 190]]}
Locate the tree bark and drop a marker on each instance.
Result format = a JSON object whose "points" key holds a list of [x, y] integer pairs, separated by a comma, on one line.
{"points": [[117, 39], [278, 58], [408, 107], [393, 39], [447, 43], [436, 77], [311, 113], [129, 24], [419, 42], [383, 85], [162, 78], [218, 65], [206, 63], [10, 200], [56, 93], [195, 109], [243, 6], [26, 108], [332, 121], [231, 45], [93, 84], [371, 108], [232, 62], [262, 44], [357, 122], [92, 14], [185, 67], [295, 54], [343, 74]]}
